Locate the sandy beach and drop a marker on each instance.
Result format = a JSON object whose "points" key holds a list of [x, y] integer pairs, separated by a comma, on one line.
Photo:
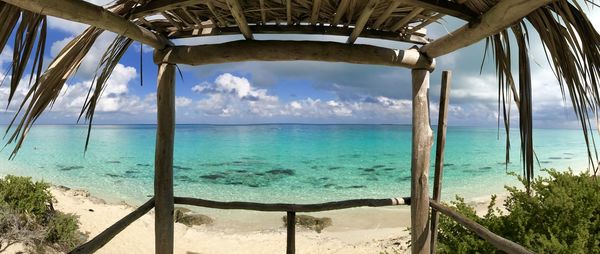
{"points": [[363, 230]]}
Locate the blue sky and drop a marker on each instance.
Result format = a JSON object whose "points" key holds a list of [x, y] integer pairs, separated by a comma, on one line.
{"points": [[292, 92]]}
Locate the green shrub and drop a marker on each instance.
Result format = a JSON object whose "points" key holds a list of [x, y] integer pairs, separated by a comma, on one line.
{"points": [[27, 216], [63, 230], [561, 215], [26, 197]]}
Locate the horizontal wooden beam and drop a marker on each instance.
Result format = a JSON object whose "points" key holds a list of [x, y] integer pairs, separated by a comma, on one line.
{"points": [[87, 13], [304, 208], [502, 15], [241, 51], [156, 6], [497, 241], [445, 7], [108, 234]]}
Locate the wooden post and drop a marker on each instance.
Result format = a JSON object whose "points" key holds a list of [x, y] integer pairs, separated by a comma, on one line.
{"points": [[439, 152], [422, 139], [163, 162], [291, 233]]}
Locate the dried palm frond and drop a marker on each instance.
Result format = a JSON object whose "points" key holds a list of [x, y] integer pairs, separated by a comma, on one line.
{"points": [[572, 49], [110, 59], [45, 90], [31, 28]]}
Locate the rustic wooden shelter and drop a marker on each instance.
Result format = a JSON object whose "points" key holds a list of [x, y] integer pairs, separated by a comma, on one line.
{"points": [[572, 44]]}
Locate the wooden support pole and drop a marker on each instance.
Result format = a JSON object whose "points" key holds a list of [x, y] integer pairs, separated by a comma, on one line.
{"points": [[108, 234], [386, 14], [316, 7], [502, 15], [340, 11], [291, 233], [163, 162], [497, 241], [240, 51], [439, 152], [87, 13], [422, 139]]}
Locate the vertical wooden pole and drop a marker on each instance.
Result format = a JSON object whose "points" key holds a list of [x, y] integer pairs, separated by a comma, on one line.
{"points": [[163, 161], [422, 139], [291, 233], [439, 152]]}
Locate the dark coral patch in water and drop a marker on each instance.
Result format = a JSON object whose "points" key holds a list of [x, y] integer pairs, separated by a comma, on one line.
{"points": [[143, 164], [555, 158], [112, 175], [388, 169], [448, 164], [69, 168], [485, 168], [379, 166], [181, 167], [280, 171], [113, 162], [369, 170], [212, 176], [356, 187], [334, 168]]}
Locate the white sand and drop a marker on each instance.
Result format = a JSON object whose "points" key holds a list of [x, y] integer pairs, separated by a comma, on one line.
{"points": [[355, 231]]}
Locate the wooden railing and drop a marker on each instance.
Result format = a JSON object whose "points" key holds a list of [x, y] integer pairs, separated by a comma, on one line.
{"points": [[291, 210]]}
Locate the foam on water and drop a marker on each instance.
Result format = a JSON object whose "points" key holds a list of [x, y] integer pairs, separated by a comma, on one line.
{"points": [[278, 163]]}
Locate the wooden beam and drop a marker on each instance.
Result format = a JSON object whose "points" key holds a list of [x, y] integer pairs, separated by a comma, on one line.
{"points": [[386, 14], [299, 208], [240, 19], [339, 13], [422, 139], [288, 6], [263, 12], [446, 7], [316, 7], [291, 233], [240, 51], [427, 22], [108, 234], [362, 20], [497, 241], [406, 19], [306, 29], [156, 6], [87, 13], [502, 15], [211, 8], [163, 162], [439, 152]]}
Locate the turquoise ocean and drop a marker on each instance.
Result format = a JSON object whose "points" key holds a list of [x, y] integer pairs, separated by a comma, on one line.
{"points": [[279, 162]]}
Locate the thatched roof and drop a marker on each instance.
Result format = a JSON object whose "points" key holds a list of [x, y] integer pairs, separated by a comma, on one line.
{"points": [[573, 45]]}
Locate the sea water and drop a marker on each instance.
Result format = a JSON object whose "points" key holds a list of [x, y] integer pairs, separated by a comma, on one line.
{"points": [[280, 162]]}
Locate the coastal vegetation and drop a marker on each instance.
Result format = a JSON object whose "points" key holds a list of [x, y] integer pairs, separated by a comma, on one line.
{"points": [[561, 214], [27, 217]]}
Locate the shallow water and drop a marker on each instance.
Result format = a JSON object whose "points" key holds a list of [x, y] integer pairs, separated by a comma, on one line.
{"points": [[278, 163]]}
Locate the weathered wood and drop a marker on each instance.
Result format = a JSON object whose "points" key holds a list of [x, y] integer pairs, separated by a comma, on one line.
{"points": [[339, 13], [156, 6], [163, 162], [291, 233], [386, 14], [211, 8], [406, 19], [422, 139], [263, 12], [306, 29], [497, 241], [316, 7], [288, 11], [240, 51], [362, 20], [500, 16], [240, 19], [108, 234], [432, 19], [439, 152], [300, 208], [446, 7], [87, 13]]}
